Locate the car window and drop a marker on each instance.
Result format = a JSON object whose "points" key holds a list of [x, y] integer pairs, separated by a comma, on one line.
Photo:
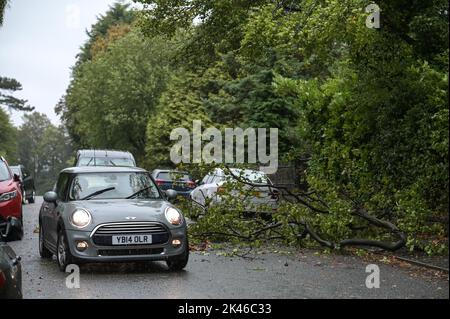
{"points": [[105, 161], [256, 177], [170, 176], [125, 184], [4, 172], [61, 186]]}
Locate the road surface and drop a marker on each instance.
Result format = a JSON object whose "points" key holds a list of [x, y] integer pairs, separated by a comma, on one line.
{"points": [[302, 274]]}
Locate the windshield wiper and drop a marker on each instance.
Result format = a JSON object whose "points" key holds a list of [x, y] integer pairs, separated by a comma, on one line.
{"points": [[137, 193], [98, 193]]}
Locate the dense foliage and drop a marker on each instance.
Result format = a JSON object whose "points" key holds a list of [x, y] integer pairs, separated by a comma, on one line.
{"points": [[368, 106], [7, 136], [44, 149]]}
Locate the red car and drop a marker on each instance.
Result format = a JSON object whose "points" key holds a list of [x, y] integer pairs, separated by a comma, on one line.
{"points": [[10, 198]]}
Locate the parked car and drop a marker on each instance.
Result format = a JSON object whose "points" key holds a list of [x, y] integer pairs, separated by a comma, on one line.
{"points": [[257, 199], [10, 198], [111, 214], [26, 183], [182, 182], [104, 158], [10, 268]]}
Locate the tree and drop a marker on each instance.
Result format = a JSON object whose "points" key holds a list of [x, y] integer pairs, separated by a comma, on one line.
{"points": [[110, 98], [11, 85], [180, 104], [118, 14], [43, 148], [213, 27], [3, 5], [367, 105], [7, 136]]}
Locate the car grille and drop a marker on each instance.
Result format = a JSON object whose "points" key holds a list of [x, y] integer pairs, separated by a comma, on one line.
{"points": [[130, 252], [103, 235]]}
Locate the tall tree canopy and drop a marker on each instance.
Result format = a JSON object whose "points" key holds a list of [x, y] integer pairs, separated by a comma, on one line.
{"points": [[368, 107], [44, 149], [7, 86], [111, 97]]}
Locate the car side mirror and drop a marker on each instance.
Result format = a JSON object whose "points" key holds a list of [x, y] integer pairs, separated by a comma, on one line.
{"points": [[50, 197], [17, 178], [171, 194]]}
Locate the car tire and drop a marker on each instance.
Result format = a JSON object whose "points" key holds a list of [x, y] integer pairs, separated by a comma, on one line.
{"points": [[31, 200], [43, 251], [63, 255], [179, 262], [24, 197], [17, 235]]}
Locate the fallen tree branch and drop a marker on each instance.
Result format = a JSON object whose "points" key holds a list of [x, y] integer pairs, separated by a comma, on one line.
{"points": [[305, 200]]}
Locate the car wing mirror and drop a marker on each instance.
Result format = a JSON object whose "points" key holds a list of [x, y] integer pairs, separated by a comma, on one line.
{"points": [[51, 197], [17, 178], [171, 194]]}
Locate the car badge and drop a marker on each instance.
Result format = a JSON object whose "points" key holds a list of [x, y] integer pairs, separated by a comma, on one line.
{"points": [[130, 218]]}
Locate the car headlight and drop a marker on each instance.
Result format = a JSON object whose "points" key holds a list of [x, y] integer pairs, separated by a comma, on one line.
{"points": [[173, 216], [80, 218], [8, 196]]}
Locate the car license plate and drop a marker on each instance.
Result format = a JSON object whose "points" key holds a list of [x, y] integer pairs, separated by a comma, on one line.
{"points": [[132, 239]]}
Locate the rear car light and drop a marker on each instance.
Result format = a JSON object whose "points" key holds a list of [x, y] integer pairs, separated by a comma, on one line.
{"points": [[220, 190], [8, 196], [159, 182], [191, 184]]}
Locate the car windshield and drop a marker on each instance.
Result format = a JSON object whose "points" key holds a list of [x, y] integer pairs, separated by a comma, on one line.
{"points": [[121, 185], [4, 172], [170, 176], [106, 161]]}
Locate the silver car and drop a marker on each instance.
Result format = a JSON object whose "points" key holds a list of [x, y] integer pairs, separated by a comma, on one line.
{"points": [[111, 214], [260, 197]]}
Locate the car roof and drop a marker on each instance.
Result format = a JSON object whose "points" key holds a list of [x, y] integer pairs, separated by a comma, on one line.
{"points": [[102, 169], [104, 153]]}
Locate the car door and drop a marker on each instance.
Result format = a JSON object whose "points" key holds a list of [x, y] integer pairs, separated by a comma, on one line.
{"points": [[53, 210]]}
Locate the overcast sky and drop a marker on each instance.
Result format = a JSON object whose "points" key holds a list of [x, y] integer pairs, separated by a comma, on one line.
{"points": [[38, 44]]}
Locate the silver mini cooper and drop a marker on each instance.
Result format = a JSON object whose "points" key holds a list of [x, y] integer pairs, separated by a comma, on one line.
{"points": [[111, 214]]}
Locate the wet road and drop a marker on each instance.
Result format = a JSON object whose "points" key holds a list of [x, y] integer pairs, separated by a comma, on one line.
{"points": [[302, 274]]}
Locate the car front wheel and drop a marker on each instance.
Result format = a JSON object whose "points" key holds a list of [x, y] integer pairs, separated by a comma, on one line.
{"points": [[63, 255], [179, 262]]}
